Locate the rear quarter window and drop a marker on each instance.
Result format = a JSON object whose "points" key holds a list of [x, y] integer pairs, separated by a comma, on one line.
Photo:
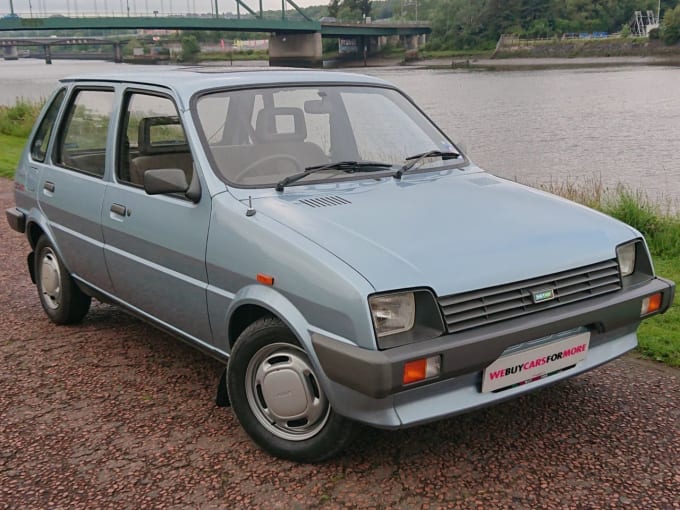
{"points": [[42, 135]]}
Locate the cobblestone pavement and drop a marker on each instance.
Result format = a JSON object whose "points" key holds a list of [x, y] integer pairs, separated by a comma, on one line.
{"points": [[115, 414]]}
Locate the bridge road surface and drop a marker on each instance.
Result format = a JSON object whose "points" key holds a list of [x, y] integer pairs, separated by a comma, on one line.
{"points": [[115, 414]]}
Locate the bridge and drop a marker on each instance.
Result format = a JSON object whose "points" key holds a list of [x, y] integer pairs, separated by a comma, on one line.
{"points": [[10, 45], [292, 41]]}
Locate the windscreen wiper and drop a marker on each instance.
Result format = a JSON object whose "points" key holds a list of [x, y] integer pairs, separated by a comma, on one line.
{"points": [[417, 158], [345, 166]]}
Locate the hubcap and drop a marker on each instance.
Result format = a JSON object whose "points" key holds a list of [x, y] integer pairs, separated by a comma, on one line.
{"points": [[50, 279], [284, 394]]}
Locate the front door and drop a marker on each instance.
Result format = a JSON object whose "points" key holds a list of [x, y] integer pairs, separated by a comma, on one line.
{"points": [[155, 245]]}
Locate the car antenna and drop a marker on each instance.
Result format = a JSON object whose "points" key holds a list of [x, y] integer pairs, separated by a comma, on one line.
{"points": [[250, 211]]}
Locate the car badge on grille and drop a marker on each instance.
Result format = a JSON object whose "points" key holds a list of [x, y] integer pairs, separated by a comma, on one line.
{"points": [[542, 295]]}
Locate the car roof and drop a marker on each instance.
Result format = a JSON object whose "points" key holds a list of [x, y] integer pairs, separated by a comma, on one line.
{"points": [[187, 81]]}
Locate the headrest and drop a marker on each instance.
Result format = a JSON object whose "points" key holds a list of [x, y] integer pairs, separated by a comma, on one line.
{"points": [[291, 122], [148, 146]]}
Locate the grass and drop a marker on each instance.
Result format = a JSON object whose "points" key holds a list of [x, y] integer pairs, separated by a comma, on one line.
{"points": [[659, 336], [18, 119], [16, 122], [455, 53], [10, 151]]}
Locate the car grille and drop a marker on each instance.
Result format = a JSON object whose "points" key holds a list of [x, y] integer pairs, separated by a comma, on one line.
{"points": [[481, 307]]}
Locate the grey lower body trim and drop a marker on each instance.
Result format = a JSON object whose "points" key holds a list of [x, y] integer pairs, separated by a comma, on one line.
{"points": [[16, 219], [378, 374], [458, 395], [164, 326], [462, 394]]}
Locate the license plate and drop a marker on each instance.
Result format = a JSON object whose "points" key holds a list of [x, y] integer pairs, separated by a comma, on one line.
{"points": [[532, 364]]}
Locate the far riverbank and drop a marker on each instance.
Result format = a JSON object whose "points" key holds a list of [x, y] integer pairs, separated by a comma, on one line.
{"points": [[530, 63]]}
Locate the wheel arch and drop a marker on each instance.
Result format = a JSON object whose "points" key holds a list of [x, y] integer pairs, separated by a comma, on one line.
{"points": [[33, 233], [256, 301], [36, 227], [242, 317]]}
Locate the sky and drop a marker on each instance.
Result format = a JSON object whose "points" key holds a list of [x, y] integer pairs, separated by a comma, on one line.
{"points": [[81, 7]]}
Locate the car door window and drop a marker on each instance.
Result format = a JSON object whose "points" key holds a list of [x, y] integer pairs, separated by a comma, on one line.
{"points": [[152, 137], [42, 135], [82, 145]]}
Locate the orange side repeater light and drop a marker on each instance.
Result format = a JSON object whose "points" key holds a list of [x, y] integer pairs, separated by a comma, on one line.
{"points": [[265, 279]]}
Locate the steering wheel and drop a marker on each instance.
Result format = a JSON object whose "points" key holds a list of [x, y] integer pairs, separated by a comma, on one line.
{"points": [[287, 165]]}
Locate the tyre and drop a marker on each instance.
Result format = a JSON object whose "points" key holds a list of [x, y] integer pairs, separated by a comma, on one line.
{"points": [[277, 398], [62, 300]]}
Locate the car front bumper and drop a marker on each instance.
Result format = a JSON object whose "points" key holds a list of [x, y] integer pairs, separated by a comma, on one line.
{"points": [[374, 378]]}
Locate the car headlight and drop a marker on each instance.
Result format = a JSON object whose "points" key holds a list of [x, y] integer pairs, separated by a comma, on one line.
{"points": [[393, 313], [626, 258], [405, 317]]}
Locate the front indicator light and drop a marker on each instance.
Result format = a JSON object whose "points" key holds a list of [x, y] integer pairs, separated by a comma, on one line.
{"points": [[651, 304], [421, 369]]}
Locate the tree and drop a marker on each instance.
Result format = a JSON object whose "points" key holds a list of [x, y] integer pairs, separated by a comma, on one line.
{"points": [[190, 48], [365, 7], [670, 28], [131, 45], [334, 8], [351, 10]]}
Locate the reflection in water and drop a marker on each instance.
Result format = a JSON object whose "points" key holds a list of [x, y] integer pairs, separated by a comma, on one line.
{"points": [[615, 124]]}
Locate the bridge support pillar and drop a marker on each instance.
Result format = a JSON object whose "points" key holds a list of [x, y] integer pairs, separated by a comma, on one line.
{"points": [[117, 53], [411, 42], [10, 53], [48, 53], [295, 50]]}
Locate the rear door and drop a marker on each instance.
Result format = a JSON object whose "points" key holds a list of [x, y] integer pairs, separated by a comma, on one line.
{"points": [[155, 245], [71, 185]]}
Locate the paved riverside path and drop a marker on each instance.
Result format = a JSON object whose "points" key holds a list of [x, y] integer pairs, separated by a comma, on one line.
{"points": [[115, 414]]}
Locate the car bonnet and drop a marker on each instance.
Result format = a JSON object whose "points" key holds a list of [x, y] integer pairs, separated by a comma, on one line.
{"points": [[450, 231]]}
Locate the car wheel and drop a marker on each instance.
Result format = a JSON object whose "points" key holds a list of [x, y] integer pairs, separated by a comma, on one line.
{"points": [[61, 298], [276, 396]]}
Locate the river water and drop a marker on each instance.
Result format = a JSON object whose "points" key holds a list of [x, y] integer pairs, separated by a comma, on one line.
{"points": [[610, 125]]}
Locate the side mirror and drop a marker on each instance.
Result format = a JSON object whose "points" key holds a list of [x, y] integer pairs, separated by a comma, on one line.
{"points": [[165, 180]]}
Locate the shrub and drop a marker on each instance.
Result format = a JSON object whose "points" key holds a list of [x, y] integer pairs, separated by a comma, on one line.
{"points": [[190, 48], [670, 28], [18, 119]]}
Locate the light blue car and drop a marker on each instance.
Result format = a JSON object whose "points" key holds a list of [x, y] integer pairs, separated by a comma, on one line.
{"points": [[321, 236]]}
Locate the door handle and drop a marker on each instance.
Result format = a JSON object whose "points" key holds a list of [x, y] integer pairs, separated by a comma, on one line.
{"points": [[119, 209], [49, 186]]}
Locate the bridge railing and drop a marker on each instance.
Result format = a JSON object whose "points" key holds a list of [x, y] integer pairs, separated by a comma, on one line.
{"points": [[120, 14], [130, 9]]}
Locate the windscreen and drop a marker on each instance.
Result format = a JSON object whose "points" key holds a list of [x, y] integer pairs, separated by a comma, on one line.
{"points": [[257, 137]]}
